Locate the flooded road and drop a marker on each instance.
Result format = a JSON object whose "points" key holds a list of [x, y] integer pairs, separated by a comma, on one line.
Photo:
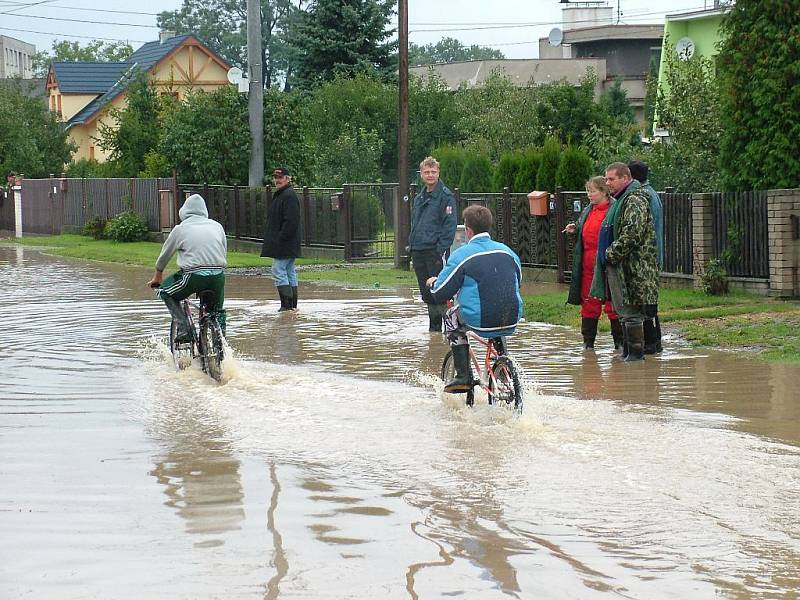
{"points": [[329, 464]]}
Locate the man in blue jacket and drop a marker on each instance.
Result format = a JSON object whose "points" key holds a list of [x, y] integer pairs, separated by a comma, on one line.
{"points": [[486, 275], [433, 228]]}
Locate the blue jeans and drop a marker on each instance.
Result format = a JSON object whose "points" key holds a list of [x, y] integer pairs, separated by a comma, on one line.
{"points": [[284, 272]]}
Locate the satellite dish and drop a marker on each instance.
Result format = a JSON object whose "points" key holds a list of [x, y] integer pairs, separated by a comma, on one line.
{"points": [[556, 36], [234, 75], [685, 48]]}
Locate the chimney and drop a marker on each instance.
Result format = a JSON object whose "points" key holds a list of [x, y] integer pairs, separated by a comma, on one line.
{"points": [[165, 35]]}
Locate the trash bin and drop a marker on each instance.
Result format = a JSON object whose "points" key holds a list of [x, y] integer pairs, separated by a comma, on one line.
{"points": [[538, 203]]}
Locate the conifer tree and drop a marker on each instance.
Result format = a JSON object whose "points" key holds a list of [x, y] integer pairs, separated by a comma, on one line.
{"points": [[760, 83]]}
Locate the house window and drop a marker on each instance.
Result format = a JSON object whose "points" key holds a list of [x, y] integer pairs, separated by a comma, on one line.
{"points": [[91, 152], [59, 103], [53, 103]]}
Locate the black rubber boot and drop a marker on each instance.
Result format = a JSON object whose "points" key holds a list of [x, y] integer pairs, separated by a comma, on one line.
{"points": [[635, 340], [294, 296], [589, 332], [617, 334], [184, 334], [285, 293], [462, 382], [435, 317], [652, 330]]}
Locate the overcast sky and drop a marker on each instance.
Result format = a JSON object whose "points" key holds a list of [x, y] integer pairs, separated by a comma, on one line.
{"points": [[512, 26]]}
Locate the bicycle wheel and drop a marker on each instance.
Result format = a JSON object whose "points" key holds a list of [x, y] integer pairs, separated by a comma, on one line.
{"points": [[448, 367], [181, 353], [506, 387], [211, 350]]}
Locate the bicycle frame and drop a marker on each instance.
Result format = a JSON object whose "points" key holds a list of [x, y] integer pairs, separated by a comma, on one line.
{"points": [[486, 376]]}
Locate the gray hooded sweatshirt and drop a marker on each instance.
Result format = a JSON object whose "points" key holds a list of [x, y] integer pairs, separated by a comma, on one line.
{"points": [[199, 241]]}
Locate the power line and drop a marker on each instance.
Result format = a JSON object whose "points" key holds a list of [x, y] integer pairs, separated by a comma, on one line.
{"points": [[79, 20], [484, 26], [66, 35], [79, 8]]}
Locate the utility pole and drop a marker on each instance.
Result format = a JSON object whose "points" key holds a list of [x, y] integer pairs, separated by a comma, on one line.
{"points": [[255, 102], [402, 208]]}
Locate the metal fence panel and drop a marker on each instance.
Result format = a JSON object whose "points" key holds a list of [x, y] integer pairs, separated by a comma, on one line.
{"points": [[741, 233], [678, 251]]}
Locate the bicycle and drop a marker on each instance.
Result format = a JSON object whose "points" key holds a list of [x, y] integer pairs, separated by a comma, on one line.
{"points": [[207, 337], [499, 376]]}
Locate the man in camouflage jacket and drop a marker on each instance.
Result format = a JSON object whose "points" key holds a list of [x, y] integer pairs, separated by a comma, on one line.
{"points": [[627, 262]]}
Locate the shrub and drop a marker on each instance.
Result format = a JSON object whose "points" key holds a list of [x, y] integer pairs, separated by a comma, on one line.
{"points": [[551, 154], [369, 222], [477, 174], [525, 180], [451, 164], [95, 227], [574, 169], [126, 227], [506, 172], [715, 278]]}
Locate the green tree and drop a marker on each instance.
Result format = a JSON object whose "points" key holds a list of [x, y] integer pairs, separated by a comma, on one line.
{"points": [[448, 50], [566, 111], [432, 118], [759, 72], [32, 140], [207, 139], [350, 158], [94, 51], [574, 169], [651, 96], [222, 26], [349, 104], [498, 116], [343, 36], [283, 143], [689, 107], [551, 155], [136, 128], [615, 102]]}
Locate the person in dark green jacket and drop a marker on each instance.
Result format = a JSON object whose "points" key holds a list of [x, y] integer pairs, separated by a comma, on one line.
{"points": [[627, 258], [433, 228]]}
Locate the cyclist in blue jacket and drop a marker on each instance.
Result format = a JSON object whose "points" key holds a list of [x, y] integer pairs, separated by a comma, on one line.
{"points": [[486, 275]]}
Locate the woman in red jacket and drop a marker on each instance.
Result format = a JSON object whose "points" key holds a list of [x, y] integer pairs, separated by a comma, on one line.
{"points": [[588, 229]]}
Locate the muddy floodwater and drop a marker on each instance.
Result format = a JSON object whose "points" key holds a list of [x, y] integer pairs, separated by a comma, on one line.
{"points": [[328, 464]]}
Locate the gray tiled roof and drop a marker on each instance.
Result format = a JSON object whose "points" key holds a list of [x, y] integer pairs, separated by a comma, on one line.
{"points": [[152, 52], [141, 60], [88, 77]]}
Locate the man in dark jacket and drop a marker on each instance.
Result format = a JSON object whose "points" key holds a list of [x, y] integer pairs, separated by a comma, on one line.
{"points": [[433, 228], [652, 324], [282, 238]]}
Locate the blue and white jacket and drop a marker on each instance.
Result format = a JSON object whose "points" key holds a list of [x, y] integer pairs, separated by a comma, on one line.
{"points": [[486, 275]]}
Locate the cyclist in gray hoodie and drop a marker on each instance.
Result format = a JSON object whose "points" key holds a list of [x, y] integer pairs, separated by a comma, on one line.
{"points": [[202, 247]]}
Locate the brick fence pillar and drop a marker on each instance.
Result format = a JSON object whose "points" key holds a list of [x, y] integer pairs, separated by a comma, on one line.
{"points": [[702, 234], [784, 247]]}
